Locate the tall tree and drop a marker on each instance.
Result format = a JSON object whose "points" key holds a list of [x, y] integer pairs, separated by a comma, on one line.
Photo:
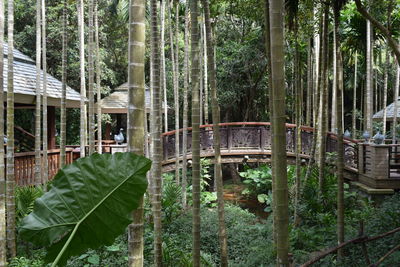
{"points": [[309, 83], [136, 115], [44, 102], [194, 13], [3, 243], [185, 105], [337, 5], [91, 78], [395, 106], [205, 60], [38, 114], [279, 131], [176, 93], [156, 125], [83, 114], [10, 180], [209, 44], [369, 89], [323, 100], [98, 76], [354, 118], [63, 121], [162, 62]]}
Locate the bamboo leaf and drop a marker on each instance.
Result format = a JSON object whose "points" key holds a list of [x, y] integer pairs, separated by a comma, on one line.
{"points": [[89, 205]]}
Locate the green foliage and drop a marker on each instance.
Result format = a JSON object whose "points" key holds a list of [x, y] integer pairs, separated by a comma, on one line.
{"points": [[258, 181], [171, 201], [24, 262], [75, 214], [25, 197], [248, 240]]}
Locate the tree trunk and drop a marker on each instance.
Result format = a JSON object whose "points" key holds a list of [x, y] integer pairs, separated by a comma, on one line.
{"points": [[323, 103], [38, 114], [385, 89], [63, 121], [299, 115], [162, 62], [10, 180], [83, 113], [98, 77], [136, 115], [206, 117], [209, 44], [156, 135], [369, 93], [340, 148], [316, 69], [195, 130], [354, 118], [185, 108], [334, 119], [279, 130], [176, 94], [91, 79], [3, 226], [309, 83], [396, 96], [45, 163]]}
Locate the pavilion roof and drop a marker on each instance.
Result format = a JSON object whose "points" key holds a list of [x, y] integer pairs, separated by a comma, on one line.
{"points": [[25, 82], [389, 112], [117, 102]]}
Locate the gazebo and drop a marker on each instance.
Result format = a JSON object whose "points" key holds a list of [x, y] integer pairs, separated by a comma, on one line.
{"points": [[116, 104], [25, 91], [25, 98], [389, 113]]}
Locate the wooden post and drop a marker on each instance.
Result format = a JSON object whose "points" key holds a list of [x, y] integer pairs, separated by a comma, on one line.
{"points": [[361, 159], [51, 122], [108, 132]]}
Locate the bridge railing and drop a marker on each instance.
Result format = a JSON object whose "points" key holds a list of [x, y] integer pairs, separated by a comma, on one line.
{"points": [[256, 136]]}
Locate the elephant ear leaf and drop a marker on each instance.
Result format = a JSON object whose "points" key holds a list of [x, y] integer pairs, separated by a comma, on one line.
{"points": [[89, 205]]}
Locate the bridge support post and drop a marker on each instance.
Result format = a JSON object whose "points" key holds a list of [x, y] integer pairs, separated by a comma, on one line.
{"points": [[361, 150]]}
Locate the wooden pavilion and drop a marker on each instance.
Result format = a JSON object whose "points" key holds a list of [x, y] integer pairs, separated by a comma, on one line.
{"points": [[116, 104], [25, 98]]}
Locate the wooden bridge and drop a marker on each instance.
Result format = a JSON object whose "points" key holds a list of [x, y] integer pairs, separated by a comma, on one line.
{"points": [[369, 166], [251, 142]]}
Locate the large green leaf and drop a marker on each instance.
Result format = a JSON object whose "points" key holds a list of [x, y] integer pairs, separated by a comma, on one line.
{"points": [[89, 204]]}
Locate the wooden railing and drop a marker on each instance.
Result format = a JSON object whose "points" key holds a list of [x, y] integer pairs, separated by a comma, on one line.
{"points": [[25, 165], [256, 136]]}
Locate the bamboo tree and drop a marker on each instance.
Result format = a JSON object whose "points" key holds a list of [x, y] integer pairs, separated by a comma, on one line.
{"points": [[63, 121], [395, 106], [209, 44], [316, 68], [299, 115], [83, 113], [38, 115], [340, 148], [10, 179], [3, 226], [205, 60], [176, 93], [136, 115], [44, 103], [162, 62], [323, 102], [156, 136], [185, 106], [309, 83], [354, 118], [369, 92], [334, 119], [98, 77], [386, 69], [195, 83], [91, 78], [279, 130]]}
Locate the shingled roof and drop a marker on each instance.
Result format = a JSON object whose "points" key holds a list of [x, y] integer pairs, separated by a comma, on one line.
{"points": [[117, 102], [25, 82], [389, 112]]}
